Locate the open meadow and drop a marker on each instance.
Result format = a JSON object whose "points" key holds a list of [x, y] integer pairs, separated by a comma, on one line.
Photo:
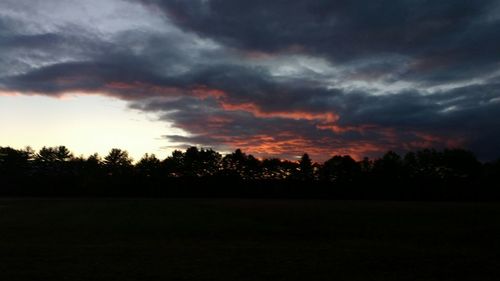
{"points": [[224, 239]]}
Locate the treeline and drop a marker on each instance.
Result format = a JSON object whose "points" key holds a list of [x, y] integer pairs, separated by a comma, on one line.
{"points": [[450, 174]]}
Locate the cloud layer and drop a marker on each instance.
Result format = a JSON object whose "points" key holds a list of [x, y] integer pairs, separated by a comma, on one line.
{"points": [[275, 78]]}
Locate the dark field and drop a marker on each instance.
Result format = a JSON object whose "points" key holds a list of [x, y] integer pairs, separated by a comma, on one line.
{"points": [[247, 240]]}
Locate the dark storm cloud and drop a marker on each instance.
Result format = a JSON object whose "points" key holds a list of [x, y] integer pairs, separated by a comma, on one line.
{"points": [[27, 53], [284, 77], [448, 34], [109, 65], [447, 110]]}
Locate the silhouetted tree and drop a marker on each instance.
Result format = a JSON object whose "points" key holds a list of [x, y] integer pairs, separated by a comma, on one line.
{"points": [[340, 169], [148, 166], [117, 162], [253, 168], [305, 171], [201, 163], [234, 164], [366, 165], [210, 162], [389, 168], [62, 154], [46, 155], [94, 161], [15, 162], [53, 161], [459, 164], [410, 164], [192, 164], [91, 171], [174, 164], [427, 165], [276, 169]]}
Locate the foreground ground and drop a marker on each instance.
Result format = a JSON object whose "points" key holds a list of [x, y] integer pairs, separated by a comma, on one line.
{"points": [[247, 240]]}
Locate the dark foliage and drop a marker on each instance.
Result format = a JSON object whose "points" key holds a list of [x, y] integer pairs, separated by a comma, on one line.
{"points": [[450, 174]]}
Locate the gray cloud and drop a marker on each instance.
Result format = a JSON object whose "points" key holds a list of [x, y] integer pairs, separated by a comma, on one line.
{"points": [[440, 39]]}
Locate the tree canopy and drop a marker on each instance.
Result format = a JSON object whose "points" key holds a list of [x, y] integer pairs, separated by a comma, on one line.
{"points": [[428, 173]]}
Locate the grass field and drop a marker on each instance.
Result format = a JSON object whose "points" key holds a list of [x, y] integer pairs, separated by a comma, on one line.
{"points": [[247, 240]]}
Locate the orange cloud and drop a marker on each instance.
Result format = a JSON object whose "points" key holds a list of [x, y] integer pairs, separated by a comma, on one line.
{"points": [[141, 87], [426, 140], [8, 94], [205, 92], [295, 115], [289, 145], [199, 91]]}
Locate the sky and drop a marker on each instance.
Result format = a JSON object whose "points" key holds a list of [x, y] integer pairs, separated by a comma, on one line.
{"points": [[274, 78]]}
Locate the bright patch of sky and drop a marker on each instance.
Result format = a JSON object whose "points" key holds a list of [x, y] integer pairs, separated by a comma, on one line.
{"points": [[40, 121]]}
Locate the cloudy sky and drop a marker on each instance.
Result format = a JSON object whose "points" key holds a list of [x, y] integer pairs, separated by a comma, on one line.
{"points": [[274, 78]]}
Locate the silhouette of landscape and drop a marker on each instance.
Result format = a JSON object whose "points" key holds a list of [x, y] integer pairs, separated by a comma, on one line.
{"points": [[199, 215], [449, 174]]}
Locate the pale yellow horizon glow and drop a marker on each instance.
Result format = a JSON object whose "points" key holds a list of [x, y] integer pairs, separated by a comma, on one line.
{"points": [[86, 124]]}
